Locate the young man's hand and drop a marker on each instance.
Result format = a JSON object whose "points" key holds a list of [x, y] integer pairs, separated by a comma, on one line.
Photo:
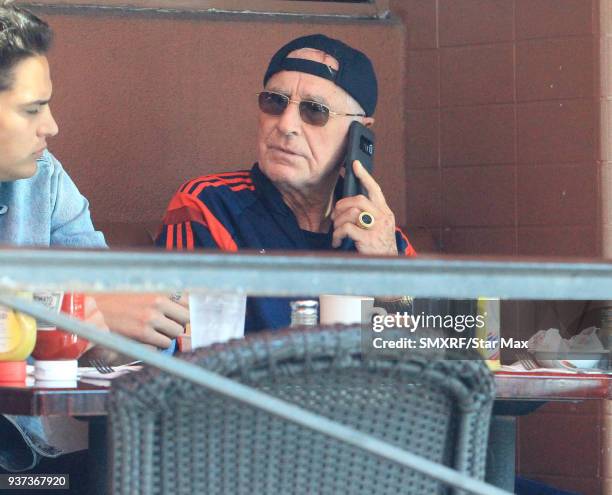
{"points": [[94, 316], [153, 319]]}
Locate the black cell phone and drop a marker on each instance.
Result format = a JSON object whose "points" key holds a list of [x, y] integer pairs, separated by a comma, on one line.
{"points": [[360, 146]]}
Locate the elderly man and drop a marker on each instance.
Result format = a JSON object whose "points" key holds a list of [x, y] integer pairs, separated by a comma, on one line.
{"points": [[41, 206], [314, 88]]}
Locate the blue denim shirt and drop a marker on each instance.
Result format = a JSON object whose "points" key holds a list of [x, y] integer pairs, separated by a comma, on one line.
{"points": [[46, 209]]}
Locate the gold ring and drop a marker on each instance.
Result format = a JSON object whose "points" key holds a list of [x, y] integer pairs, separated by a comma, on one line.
{"points": [[366, 220]]}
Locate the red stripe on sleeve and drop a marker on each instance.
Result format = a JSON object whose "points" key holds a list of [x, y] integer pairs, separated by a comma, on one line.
{"points": [[185, 208], [189, 236], [236, 176], [241, 181], [188, 184], [243, 186], [183, 214], [179, 236], [170, 237]]}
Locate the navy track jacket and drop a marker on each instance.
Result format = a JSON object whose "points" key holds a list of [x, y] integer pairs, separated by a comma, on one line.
{"points": [[244, 210]]}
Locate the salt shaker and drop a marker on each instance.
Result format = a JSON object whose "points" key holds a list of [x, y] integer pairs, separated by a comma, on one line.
{"points": [[304, 312]]}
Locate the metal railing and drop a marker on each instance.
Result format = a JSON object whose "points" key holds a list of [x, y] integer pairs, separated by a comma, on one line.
{"points": [[287, 275], [300, 273], [372, 10]]}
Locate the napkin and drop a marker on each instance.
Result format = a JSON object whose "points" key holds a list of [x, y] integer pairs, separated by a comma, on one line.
{"points": [[93, 373], [557, 352]]}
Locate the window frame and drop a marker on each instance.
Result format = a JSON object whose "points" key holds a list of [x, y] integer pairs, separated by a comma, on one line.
{"points": [[376, 9]]}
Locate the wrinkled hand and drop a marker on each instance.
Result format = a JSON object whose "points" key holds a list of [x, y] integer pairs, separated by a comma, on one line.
{"points": [[380, 238], [148, 318]]}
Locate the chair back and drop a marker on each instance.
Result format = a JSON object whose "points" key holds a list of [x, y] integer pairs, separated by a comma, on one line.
{"points": [[171, 436]]}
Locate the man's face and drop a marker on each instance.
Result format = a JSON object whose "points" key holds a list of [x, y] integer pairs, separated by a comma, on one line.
{"points": [[25, 119], [295, 154]]}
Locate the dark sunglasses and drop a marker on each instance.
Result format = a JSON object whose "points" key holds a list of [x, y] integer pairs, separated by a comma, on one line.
{"points": [[311, 112]]}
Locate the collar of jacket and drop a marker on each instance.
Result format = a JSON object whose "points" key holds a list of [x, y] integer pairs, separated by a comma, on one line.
{"points": [[272, 197]]}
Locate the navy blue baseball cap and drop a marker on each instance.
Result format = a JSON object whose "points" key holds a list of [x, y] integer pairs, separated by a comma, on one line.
{"points": [[355, 74]]}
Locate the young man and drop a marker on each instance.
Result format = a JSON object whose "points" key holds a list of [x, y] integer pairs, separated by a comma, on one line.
{"points": [[41, 206]]}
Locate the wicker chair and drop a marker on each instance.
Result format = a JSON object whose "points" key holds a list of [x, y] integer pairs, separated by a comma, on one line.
{"points": [[171, 436]]}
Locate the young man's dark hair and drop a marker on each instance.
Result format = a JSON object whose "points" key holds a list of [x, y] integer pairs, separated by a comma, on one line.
{"points": [[22, 35]]}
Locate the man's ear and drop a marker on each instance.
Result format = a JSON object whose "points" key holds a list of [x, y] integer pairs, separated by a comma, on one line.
{"points": [[368, 121]]}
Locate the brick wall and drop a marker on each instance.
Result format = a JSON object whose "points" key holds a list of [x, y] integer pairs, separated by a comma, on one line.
{"points": [[502, 125], [505, 108]]}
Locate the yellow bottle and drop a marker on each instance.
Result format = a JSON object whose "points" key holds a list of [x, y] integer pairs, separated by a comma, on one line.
{"points": [[489, 333], [17, 339]]}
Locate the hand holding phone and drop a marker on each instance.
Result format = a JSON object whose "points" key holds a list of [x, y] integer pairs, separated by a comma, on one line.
{"points": [[360, 147]]}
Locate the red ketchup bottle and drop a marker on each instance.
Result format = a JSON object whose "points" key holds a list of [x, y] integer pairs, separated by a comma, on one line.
{"points": [[57, 351]]}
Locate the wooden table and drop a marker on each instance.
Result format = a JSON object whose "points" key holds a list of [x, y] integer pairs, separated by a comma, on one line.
{"points": [[552, 386], [84, 400], [91, 400]]}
